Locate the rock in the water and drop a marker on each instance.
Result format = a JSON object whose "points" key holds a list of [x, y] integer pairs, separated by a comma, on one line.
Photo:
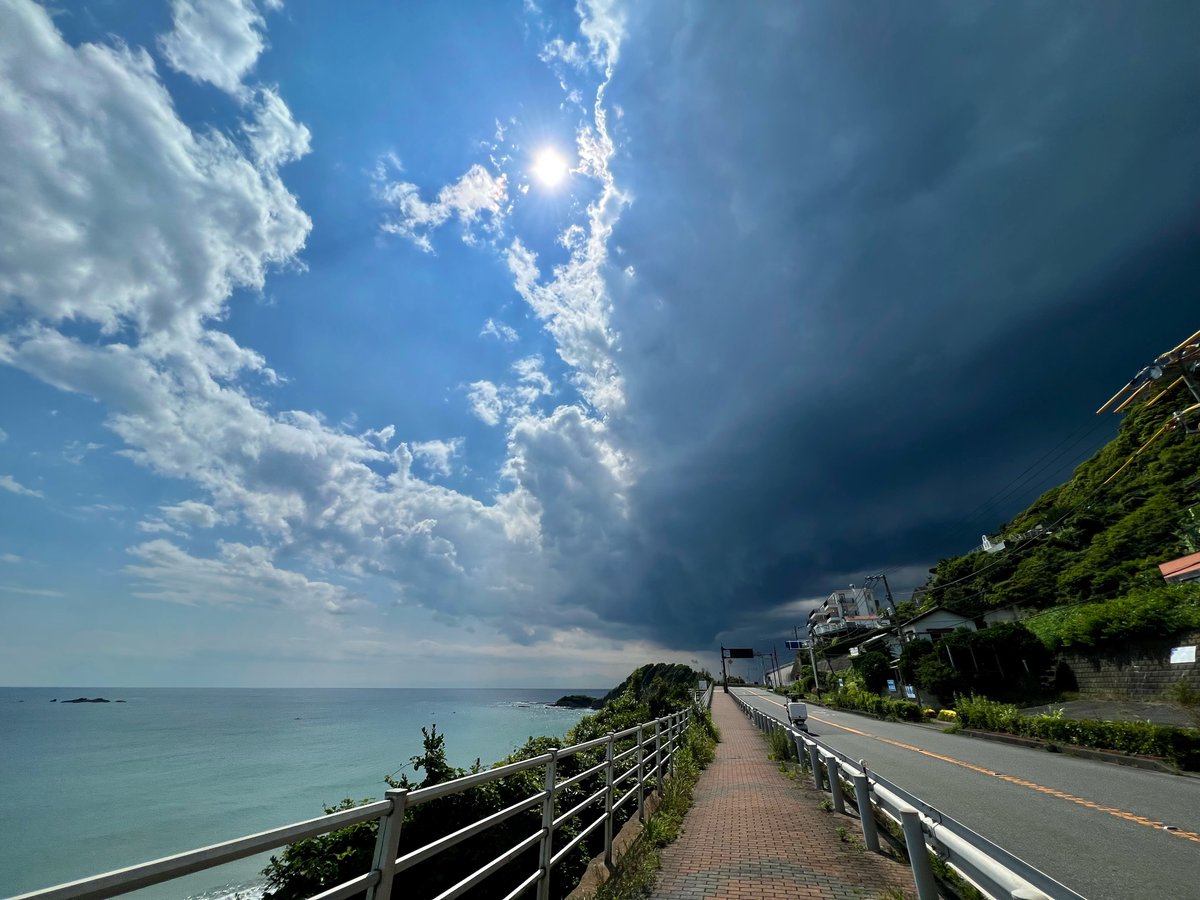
{"points": [[576, 701], [88, 700]]}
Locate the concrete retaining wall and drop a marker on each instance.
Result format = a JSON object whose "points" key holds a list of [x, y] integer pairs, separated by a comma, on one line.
{"points": [[1141, 671]]}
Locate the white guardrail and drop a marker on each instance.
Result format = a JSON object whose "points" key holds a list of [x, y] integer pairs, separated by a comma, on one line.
{"points": [[990, 868], [636, 757]]}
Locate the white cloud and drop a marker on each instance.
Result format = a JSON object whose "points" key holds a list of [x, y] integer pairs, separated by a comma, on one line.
{"points": [[193, 514], [217, 41], [9, 558], [485, 401], [476, 194], [32, 592], [602, 22], [436, 455], [568, 52], [237, 576], [10, 484], [155, 268], [156, 526], [275, 137], [75, 451], [499, 330], [493, 403], [157, 229], [4, 434]]}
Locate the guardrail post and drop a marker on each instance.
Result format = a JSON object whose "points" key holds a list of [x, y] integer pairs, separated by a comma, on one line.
{"points": [[641, 776], [547, 847], [814, 762], [862, 797], [387, 845], [835, 783], [672, 742], [608, 800], [799, 742], [918, 856], [658, 759]]}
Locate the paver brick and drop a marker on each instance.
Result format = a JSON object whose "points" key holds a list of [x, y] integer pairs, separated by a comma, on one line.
{"points": [[752, 834]]}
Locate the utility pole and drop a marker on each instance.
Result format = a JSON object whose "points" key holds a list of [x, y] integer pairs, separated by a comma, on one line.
{"points": [[887, 590], [812, 656]]}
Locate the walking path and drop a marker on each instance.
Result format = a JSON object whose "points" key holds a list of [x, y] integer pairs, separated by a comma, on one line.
{"points": [[754, 834]]}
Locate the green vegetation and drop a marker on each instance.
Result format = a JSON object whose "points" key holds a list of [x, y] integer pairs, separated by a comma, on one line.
{"points": [[1145, 612], [1004, 661], [1179, 746], [873, 669], [782, 747], [1091, 542], [638, 868], [854, 696], [308, 867]]}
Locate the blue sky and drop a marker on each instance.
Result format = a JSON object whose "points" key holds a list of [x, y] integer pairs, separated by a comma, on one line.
{"points": [[310, 378]]}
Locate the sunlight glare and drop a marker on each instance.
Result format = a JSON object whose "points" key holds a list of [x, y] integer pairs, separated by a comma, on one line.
{"points": [[549, 167]]}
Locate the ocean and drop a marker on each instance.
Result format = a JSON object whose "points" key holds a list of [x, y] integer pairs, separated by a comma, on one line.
{"points": [[89, 787]]}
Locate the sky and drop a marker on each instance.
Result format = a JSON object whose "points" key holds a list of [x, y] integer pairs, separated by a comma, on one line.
{"points": [[522, 343]]}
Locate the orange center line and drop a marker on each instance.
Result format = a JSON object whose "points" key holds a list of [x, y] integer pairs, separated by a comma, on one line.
{"points": [[1011, 779]]}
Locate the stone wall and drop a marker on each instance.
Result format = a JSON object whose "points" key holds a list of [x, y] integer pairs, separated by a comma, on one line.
{"points": [[1142, 671]]}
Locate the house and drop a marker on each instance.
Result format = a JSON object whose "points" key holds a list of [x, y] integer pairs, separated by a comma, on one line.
{"points": [[1186, 568], [933, 624]]}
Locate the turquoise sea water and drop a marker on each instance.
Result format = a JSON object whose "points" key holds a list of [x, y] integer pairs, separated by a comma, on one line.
{"points": [[86, 788]]}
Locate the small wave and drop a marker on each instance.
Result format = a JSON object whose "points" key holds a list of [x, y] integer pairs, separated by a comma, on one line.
{"points": [[254, 891]]}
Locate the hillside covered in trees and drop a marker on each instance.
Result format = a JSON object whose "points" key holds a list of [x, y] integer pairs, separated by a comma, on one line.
{"points": [[1087, 551]]}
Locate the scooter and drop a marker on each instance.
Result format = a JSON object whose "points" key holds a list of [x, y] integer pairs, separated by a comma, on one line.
{"points": [[798, 716]]}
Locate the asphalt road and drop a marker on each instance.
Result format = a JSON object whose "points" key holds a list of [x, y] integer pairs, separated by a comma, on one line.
{"points": [[1096, 827]]}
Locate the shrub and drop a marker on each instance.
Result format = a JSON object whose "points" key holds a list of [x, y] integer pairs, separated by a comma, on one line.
{"points": [[854, 697], [1180, 746]]}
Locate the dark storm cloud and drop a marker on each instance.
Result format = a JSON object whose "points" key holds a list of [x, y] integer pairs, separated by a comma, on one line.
{"points": [[886, 257]]}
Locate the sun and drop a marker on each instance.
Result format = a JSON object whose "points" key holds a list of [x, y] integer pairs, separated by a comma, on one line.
{"points": [[549, 167]]}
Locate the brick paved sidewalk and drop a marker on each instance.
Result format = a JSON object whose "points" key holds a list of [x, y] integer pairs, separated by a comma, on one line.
{"points": [[754, 834]]}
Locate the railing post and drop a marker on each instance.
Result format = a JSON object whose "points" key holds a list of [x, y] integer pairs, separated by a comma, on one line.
{"points": [[608, 801], [918, 856], [547, 847], [658, 758], [814, 762], [641, 776], [671, 720], [866, 816], [799, 742], [387, 845], [835, 783]]}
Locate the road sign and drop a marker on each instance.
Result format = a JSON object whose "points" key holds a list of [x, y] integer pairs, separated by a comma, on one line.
{"points": [[740, 652], [794, 645]]}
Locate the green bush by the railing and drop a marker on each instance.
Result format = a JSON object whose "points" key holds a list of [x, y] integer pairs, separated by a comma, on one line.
{"points": [[1180, 746]]}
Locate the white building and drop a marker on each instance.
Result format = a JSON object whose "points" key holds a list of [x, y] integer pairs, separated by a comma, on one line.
{"points": [[844, 613]]}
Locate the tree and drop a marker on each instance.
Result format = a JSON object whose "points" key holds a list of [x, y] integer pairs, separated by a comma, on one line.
{"points": [[873, 668]]}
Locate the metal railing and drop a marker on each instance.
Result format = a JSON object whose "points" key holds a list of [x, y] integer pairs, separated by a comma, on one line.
{"points": [[990, 868], [634, 761]]}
